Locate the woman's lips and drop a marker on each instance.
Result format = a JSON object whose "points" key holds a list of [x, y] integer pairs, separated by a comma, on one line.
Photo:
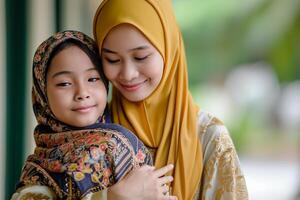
{"points": [[132, 87]]}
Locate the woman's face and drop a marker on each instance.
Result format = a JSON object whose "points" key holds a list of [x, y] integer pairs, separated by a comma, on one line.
{"points": [[131, 62], [76, 94]]}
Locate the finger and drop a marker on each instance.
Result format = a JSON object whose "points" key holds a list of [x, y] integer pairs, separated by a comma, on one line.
{"points": [[165, 189], [162, 171], [147, 167], [165, 180]]}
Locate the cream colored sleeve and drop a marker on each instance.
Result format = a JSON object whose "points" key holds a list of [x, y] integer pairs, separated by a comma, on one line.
{"points": [[34, 192], [222, 177]]}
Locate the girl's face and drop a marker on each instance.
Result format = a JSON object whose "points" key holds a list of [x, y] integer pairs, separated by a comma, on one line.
{"points": [[131, 62], [76, 94]]}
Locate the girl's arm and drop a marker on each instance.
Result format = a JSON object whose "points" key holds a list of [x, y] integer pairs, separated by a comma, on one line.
{"points": [[34, 192]]}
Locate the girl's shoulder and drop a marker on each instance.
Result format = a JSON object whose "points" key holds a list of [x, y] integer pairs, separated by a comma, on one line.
{"points": [[120, 131], [127, 139]]}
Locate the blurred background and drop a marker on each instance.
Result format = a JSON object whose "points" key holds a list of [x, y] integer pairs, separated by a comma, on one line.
{"points": [[244, 67]]}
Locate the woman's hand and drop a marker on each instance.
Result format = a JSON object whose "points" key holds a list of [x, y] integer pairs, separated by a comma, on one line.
{"points": [[144, 183]]}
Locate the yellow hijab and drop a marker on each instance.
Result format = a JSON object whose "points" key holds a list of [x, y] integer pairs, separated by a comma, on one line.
{"points": [[166, 120]]}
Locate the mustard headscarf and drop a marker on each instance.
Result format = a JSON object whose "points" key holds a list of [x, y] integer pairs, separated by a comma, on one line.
{"points": [[166, 120]]}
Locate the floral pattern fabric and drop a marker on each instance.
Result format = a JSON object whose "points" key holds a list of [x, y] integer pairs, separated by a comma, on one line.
{"points": [[220, 181], [76, 163]]}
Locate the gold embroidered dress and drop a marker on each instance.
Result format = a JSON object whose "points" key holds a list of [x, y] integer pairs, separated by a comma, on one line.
{"points": [[222, 178]]}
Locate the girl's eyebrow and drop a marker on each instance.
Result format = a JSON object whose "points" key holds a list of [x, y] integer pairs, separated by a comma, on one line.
{"points": [[133, 49], [70, 72], [61, 73]]}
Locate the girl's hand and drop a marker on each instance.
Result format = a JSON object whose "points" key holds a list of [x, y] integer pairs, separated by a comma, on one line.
{"points": [[144, 183]]}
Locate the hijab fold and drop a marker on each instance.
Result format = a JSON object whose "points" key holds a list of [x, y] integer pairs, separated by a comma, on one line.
{"points": [[166, 120]]}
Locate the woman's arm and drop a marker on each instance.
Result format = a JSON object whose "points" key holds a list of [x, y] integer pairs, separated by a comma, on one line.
{"points": [[222, 175]]}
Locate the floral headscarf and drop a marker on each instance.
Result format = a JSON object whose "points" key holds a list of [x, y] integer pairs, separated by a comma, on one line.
{"points": [[67, 158], [41, 61]]}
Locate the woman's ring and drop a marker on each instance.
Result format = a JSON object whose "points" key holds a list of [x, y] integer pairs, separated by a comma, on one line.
{"points": [[166, 192]]}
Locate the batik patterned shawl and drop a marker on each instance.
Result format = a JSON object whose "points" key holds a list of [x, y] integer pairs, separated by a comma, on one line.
{"points": [[72, 161]]}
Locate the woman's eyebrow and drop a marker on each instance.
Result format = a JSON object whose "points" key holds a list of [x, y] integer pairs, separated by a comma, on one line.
{"points": [[139, 48], [133, 49], [108, 51]]}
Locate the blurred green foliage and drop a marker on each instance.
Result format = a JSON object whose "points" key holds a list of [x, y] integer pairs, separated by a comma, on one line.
{"points": [[220, 35]]}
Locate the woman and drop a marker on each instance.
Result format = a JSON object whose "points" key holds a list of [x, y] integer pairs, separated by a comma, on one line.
{"points": [[143, 56]]}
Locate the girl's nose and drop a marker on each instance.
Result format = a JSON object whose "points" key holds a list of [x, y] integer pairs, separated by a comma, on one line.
{"points": [[81, 93], [81, 97]]}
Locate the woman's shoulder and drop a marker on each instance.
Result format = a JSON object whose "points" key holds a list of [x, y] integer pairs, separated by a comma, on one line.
{"points": [[220, 161], [210, 126], [213, 133]]}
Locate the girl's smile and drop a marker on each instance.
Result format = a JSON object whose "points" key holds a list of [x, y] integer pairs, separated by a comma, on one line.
{"points": [[77, 96], [84, 109]]}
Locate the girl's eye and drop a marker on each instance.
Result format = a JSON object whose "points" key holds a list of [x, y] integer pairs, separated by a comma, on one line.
{"points": [[94, 79], [112, 61], [63, 84]]}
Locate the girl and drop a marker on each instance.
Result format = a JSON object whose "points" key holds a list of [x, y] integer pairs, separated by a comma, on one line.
{"points": [[143, 56], [77, 152]]}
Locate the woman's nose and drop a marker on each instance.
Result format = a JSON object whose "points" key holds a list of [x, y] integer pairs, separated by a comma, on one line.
{"points": [[128, 72]]}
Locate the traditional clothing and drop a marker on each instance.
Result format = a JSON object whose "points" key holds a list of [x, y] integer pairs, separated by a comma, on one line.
{"points": [[174, 137], [74, 162]]}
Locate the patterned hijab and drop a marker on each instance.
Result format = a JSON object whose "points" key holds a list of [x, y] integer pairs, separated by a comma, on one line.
{"points": [[41, 61], [93, 157], [166, 120]]}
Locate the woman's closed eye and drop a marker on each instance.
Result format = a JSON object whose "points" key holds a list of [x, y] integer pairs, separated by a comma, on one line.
{"points": [[141, 58], [112, 61]]}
